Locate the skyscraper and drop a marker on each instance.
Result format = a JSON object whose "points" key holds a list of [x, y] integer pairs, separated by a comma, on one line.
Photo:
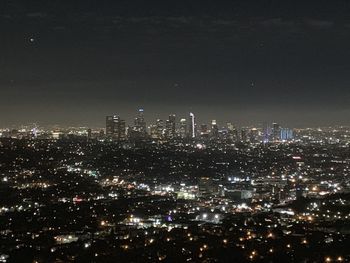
{"points": [[266, 132], [140, 124], [192, 126], [110, 125], [160, 128], [153, 131], [183, 128], [204, 128], [115, 127], [286, 134], [276, 131], [214, 129], [232, 132], [170, 128], [204, 131]]}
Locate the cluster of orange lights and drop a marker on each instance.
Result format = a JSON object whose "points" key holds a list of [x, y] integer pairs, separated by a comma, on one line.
{"points": [[338, 259], [204, 247], [253, 254]]}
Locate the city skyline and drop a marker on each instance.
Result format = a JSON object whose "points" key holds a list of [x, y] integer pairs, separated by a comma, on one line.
{"points": [[174, 131], [249, 119]]}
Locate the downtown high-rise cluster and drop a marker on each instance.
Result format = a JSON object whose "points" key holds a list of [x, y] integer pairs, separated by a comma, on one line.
{"points": [[188, 128]]}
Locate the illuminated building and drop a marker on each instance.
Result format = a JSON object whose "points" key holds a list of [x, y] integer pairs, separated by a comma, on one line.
{"points": [[204, 128], [183, 128], [139, 130], [266, 132], [286, 134], [232, 132], [204, 132], [115, 127], [110, 125], [276, 131], [170, 127], [160, 128], [157, 129], [192, 126], [153, 131], [214, 129], [140, 124], [244, 136], [206, 186]]}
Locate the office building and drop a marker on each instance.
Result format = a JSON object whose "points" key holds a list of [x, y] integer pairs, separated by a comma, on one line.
{"points": [[214, 129], [183, 128], [139, 129], [276, 131], [192, 126], [286, 134], [115, 127], [170, 129]]}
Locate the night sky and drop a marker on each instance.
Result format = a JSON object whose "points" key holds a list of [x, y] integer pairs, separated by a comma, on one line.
{"points": [[73, 62]]}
